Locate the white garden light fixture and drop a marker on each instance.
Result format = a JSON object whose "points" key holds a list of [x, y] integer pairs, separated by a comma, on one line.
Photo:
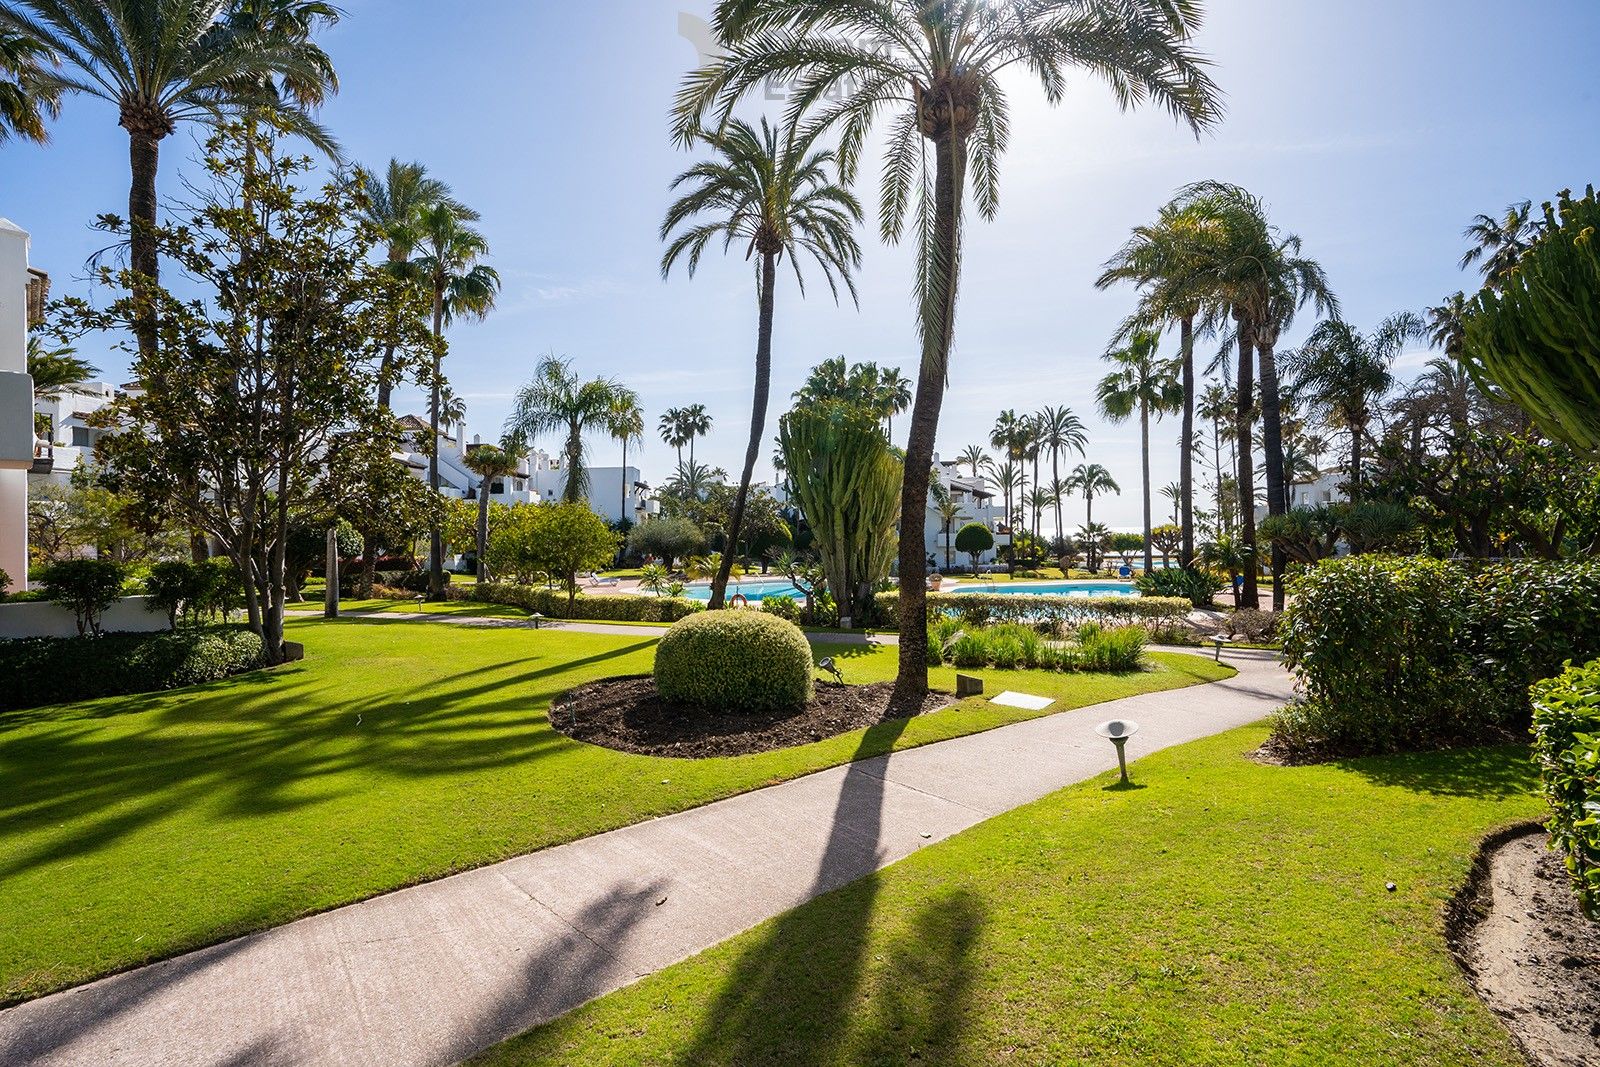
{"points": [[1119, 730]]}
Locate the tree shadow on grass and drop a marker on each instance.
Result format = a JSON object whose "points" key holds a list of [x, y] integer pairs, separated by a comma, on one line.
{"points": [[1481, 773], [795, 995]]}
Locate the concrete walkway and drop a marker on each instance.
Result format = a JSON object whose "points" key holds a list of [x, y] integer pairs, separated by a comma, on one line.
{"points": [[627, 629], [435, 973]]}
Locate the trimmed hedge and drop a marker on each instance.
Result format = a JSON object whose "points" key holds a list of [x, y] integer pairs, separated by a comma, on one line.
{"points": [[735, 661], [1566, 744], [979, 609], [1397, 654], [552, 603], [54, 670]]}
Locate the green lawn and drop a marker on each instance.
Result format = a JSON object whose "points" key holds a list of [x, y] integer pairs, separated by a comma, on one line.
{"points": [[132, 828], [1223, 912]]}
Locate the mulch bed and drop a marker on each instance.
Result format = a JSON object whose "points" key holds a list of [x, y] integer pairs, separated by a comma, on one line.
{"points": [[628, 714], [1528, 951]]}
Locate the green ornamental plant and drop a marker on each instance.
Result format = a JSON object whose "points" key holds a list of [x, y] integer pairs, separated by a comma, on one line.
{"points": [[974, 539], [1566, 744], [87, 586], [735, 661]]}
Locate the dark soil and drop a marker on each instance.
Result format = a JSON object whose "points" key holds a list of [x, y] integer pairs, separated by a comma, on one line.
{"points": [[628, 714], [1528, 951]]}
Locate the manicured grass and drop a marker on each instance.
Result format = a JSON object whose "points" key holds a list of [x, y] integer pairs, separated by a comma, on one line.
{"points": [[132, 828], [469, 608], [1223, 912]]}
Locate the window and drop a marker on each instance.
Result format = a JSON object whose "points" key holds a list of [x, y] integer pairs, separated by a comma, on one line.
{"points": [[80, 437], [497, 487]]}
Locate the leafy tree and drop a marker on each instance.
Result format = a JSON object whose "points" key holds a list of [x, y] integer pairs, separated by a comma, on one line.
{"points": [[363, 483], [935, 67], [844, 475], [1168, 540], [558, 401], [974, 539], [1144, 385], [668, 538], [778, 195], [568, 539], [87, 587], [164, 62], [26, 100], [1535, 338], [489, 463], [276, 359]]}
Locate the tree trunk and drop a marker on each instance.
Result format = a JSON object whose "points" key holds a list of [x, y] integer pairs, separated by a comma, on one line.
{"points": [[435, 531], [1272, 447], [758, 426], [385, 373], [1144, 456], [483, 533], [622, 505], [938, 330], [143, 158], [1247, 474], [1186, 454], [1055, 489], [1355, 463], [331, 578]]}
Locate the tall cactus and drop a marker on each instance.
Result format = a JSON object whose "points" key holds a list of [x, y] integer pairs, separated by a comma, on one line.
{"points": [[1538, 337], [847, 481]]}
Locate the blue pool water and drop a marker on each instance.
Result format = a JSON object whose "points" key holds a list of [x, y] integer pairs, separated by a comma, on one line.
{"points": [[760, 589]]}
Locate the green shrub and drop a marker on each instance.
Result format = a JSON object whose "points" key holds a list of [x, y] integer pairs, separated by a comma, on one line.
{"points": [[52, 670], [1117, 650], [5, 583], [1194, 584], [1408, 653], [1566, 733], [194, 591], [554, 604], [1005, 651], [1252, 624], [87, 586], [782, 606], [1053, 612], [735, 661], [970, 650]]}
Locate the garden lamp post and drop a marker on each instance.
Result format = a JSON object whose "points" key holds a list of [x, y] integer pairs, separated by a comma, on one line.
{"points": [[1119, 730]]}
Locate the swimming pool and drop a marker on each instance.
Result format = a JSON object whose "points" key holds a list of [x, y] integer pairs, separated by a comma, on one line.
{"points": [[751, 588], [1051, 589]]}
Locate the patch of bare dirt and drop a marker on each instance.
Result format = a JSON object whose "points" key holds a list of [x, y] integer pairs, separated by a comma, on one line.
{"points": [[1529, 952], [628, 714]]}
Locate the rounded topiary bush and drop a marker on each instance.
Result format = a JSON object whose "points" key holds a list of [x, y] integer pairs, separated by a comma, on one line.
{"points": [[735, 661]]}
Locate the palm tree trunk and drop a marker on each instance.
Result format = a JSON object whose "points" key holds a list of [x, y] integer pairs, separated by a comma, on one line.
{"points": [[1144, 450], [1186, 454], [1055, 488], [622, 506], [1272, 446], [435, 531], [1247, 475], [483, 532], [758, 428], [144, 154], [938, 330], [573, 492], [1356, 429]]}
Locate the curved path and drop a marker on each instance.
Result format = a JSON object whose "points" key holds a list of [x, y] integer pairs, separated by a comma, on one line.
{"points": [[435, 973]]}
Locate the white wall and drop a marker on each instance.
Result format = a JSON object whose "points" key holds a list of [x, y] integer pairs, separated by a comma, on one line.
{"points": [[44, 619], [16, 403]]}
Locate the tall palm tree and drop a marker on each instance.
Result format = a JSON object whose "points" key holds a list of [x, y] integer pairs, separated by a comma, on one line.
{"points": [[673, 428], [1032, 450], [696, 424], [895, 395], [1216, 407], [778, 195], [935, 66], [1343, 373], [1060, 431], [56, 370], [974, 457], [397, 201], [556, 400], [1174, 492], [1446, 325], [488, 463], [25, 101], [627, 427], [164, 62], [1500, 242], [461, 287], [1092, 480], [692, 480], [1143, 384], [1009, 438]]}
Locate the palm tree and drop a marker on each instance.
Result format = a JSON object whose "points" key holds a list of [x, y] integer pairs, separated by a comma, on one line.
{"points": [[556, 400], [673, 428], [1092, 480], [696, 423], [1500, 242], [936, 67], [1174, 492], [461, 287], [397, 200], [974, 457], [778, 195], [25, 102], [1216, 406], [1009, 438], [627, 427], [1032, 448], [489, 463], [1446, 325], [950, 512], [692, 481], [894, 391], [1060, 431], [56, 370], [1144, 384], [164, 62], [1343, 373]]}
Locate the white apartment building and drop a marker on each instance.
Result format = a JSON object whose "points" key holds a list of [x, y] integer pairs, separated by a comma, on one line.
{"points": [[22, 295], [979, 503]]}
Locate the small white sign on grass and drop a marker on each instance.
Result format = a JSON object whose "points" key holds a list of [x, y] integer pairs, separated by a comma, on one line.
{"points": [[1022, 700]]}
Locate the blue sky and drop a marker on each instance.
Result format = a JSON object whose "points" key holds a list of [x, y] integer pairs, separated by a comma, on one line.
{"points": [[1375, 129]]}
